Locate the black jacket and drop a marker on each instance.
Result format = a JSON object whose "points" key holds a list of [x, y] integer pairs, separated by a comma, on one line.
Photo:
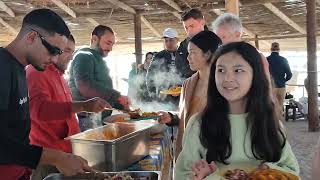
{"points": [[279, 69], [163, 74], [182, 63]]}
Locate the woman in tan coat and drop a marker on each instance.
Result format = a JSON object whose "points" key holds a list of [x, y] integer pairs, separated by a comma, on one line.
{"points": [[193, 97]]}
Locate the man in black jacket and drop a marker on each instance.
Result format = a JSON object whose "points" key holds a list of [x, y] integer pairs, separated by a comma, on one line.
{"points": [[163, 73], [280, 72], [193, 22]]}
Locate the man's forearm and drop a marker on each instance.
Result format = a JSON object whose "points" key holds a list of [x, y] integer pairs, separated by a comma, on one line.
{"points": [[77, 106], [50, 156]]}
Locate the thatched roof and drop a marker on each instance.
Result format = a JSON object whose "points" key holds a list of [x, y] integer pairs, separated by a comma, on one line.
{"points": [[265, 18]]}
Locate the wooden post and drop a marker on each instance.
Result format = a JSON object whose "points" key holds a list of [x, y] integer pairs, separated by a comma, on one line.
{"points": [[137, 35], [232, 6], [256, 42], [313, 116]]}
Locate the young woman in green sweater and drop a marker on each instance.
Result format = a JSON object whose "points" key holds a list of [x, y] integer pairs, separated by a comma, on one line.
{"points": [[239, 127]]}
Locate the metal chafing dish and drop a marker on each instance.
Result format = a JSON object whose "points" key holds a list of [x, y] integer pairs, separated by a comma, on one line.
{"points": [[136, 175], [112, 147]]}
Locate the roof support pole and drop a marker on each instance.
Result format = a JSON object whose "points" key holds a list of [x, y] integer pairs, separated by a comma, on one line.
{"points": [[256, 42], [313, 116], [137, 40], [232, 6]]}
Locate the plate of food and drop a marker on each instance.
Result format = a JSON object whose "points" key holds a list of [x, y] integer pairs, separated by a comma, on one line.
{"points": [[138, 115], [172, 91], [259, 173]]}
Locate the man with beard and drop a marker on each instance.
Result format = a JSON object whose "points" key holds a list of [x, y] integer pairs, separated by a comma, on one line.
{"points": [[52, 110], [89, 76], [41, 39]]}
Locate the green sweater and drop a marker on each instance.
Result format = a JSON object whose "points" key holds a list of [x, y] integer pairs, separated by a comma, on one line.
{"points": [[241, 148], [89, 67]]}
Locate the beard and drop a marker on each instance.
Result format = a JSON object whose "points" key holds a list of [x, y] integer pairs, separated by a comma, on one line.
{"points": [[100, 50]]}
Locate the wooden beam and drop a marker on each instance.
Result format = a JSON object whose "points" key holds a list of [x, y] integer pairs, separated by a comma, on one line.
{"points": [[256, 2], [172, 4], [9, 27], [149, 25], [313, 115], [247, 3], [122, 5], [93, 21], [6, 9], [290, 36], [137, 40], [232, 6], [64, 7], [144, 42], [133, 11], [284, 17], [176, 14], [151, 12]]}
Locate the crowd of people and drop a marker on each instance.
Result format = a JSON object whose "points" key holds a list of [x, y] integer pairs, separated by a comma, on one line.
{"points": [[227, 113]]}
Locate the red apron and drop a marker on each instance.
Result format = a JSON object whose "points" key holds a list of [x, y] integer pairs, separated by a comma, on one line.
{"points": [[15, 172]]}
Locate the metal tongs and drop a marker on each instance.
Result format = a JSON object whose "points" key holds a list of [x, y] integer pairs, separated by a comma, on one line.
{"points": [[115, 109], [97, 174]]}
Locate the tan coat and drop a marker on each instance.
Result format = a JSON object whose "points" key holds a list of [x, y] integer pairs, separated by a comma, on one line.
{"points": [[188, 88]]}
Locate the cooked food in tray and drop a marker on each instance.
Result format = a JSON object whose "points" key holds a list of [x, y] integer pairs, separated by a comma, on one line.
{"points": [[259, 174], [110, 132], [104, 135], [132, 175], [172, 91], [119, 176]]}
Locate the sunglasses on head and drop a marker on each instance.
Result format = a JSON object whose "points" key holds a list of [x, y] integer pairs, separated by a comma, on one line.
{"points": [[53, 51]]}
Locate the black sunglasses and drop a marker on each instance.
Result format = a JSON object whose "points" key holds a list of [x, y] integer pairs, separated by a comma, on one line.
{"points": [[53, 51]]}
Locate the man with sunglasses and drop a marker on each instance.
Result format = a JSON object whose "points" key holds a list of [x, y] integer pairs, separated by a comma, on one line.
{"points": [[52, 110], [89, 76], [42, 37]]}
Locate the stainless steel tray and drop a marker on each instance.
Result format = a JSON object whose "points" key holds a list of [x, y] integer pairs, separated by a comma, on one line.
{"points": [[136, 175], [113, 147]]}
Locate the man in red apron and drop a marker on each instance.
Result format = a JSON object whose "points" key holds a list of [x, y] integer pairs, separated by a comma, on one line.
{"points": [[40, 40]]}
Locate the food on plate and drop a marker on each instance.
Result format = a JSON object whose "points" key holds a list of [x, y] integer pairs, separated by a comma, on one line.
{"points": [[236, 174], [259, 174], [136, 114], [271, 174], [173, 91], [149, 114]]}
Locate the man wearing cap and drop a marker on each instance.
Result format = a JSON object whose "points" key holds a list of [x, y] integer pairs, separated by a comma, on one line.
{"points": [[162, 73], [280, 72]]}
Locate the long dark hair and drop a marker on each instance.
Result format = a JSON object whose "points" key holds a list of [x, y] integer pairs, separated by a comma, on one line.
{"points": [[267, 139]]}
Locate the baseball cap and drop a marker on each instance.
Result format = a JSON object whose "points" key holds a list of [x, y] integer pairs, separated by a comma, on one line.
{"points": [[170, 33]]}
